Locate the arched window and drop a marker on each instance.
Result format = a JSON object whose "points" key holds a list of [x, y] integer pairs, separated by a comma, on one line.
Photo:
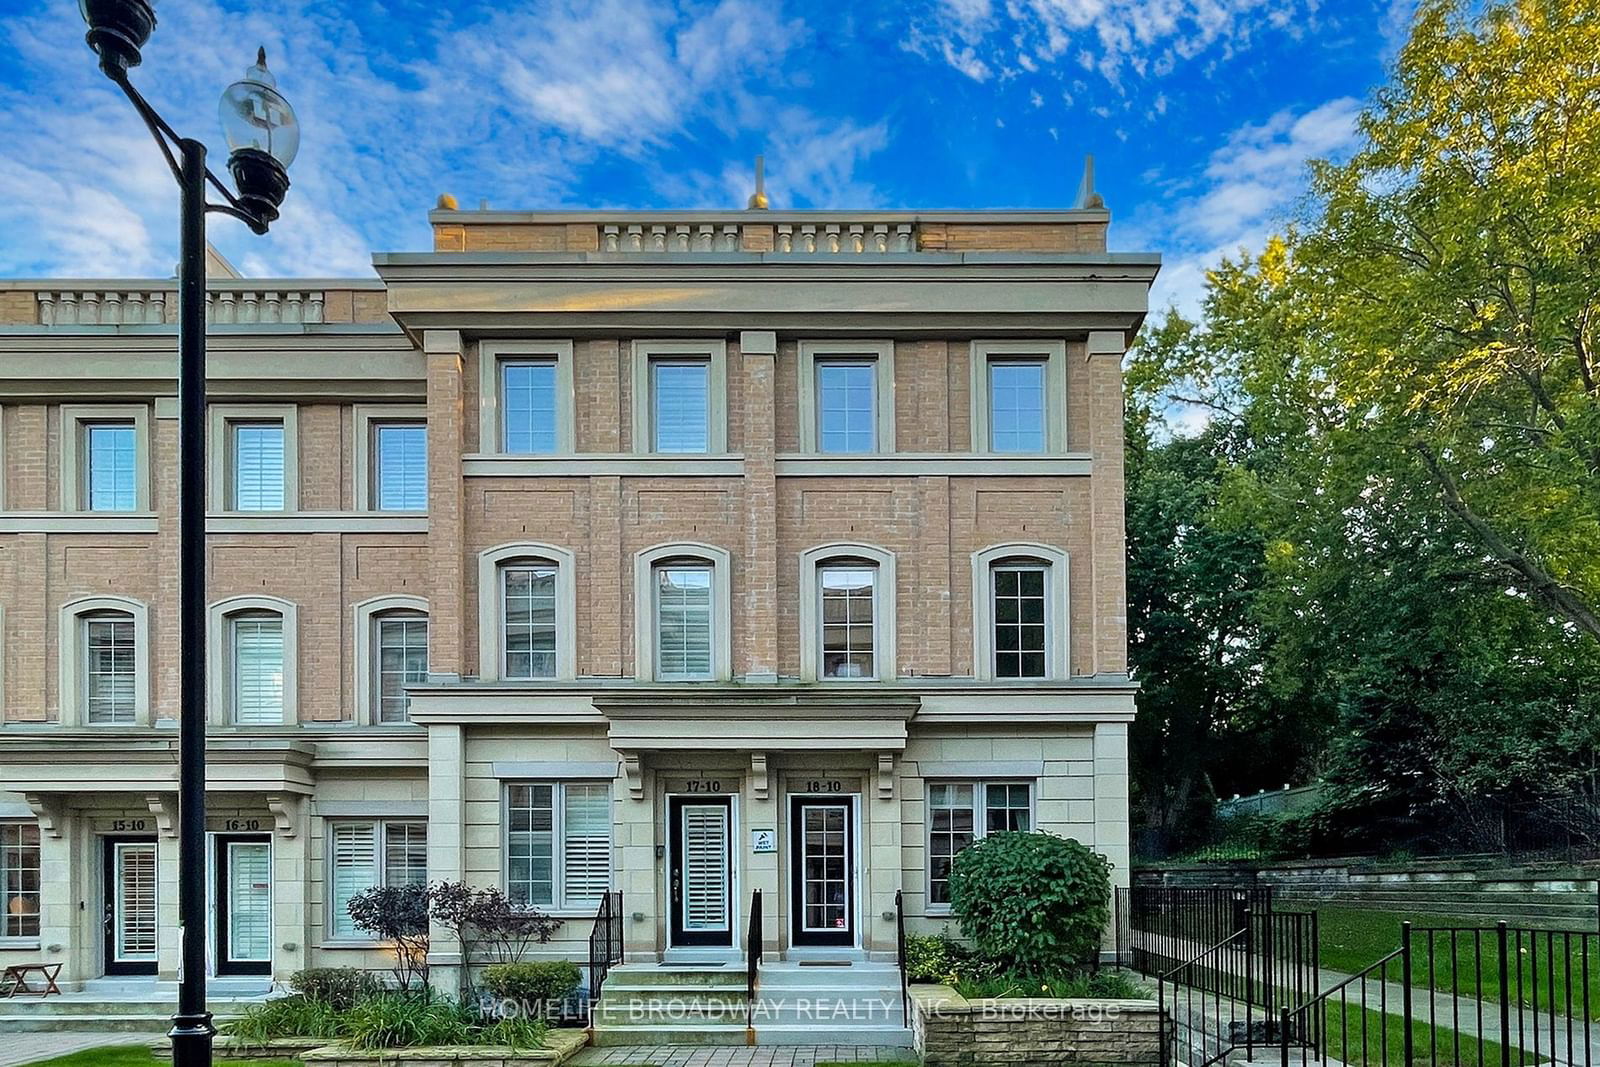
{"points": [[682, 613], [847, 613], [391, 645], [1020, 612], [527, 612], [254, 652], [104, 650]]}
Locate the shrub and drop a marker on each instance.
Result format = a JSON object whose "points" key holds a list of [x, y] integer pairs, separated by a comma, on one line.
{"points": [[1102, 985], [487, 924], [1034, 903], [292, 1016], [408, 1020], [337, 987], [533, 986], [516, 1032], [397, 913], [933, 957]]}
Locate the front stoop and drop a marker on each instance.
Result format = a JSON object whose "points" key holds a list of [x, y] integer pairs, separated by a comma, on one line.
{"points": [[857, 1004], [150, 1013]]}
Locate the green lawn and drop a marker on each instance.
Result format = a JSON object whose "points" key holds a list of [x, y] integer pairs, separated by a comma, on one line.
{"points": [[1352, 938], [1382, 1044], [140, 1056]]}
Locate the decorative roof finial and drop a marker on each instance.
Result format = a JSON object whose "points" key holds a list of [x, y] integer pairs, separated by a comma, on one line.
{"points": [[758, 199], [1087, 197]]}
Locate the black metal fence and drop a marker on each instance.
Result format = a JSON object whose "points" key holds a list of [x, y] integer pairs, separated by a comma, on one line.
{"points": [[1160, 927], [605, 944], [1459, 995]]}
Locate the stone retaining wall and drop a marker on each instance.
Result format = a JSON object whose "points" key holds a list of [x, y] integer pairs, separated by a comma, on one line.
{"points": [[952, 1031], [560, 1046]]}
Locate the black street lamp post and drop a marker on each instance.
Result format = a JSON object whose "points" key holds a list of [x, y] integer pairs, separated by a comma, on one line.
{"points": [[263, 136]]}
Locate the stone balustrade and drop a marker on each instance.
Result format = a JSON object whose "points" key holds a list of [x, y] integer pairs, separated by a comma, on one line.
{"points": [[76, 302], [843, 238]]}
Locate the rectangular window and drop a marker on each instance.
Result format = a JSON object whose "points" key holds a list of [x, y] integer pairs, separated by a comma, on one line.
{"points": [[1019, 622], [683, 623], [110, 477], [961, 812], [19, 879], [558, 844], [528, 405], [111, 678], [257, 466], [847, 408], [258, 670], [848, 601], [400, 466], [528, 597], [402, 660], [680, 405], [365, 855], [1016, 406]]}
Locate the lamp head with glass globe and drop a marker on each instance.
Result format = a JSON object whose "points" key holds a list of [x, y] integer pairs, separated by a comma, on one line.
{"points": [[263, 136]]}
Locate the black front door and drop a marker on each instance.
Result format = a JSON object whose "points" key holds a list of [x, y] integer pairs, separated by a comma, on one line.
{"points": [[130, 918], [822, 870], [243, 904], [700, 872]]}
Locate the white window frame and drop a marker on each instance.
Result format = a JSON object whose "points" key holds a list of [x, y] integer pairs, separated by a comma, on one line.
{"points": [[885, 586], [559, 905], [380, 840], [491, 427], [881, 355], [491, 637], [222, 420], [219, 654], [645, 562], [75, 418], [72, 655], [367, 419], [715, 354], [10, 940], [1057, 608], [364, 636], [980, 794], [1053, 354]]}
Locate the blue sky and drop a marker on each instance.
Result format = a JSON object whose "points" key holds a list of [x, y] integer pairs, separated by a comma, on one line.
{"points": [[1200, 113]]}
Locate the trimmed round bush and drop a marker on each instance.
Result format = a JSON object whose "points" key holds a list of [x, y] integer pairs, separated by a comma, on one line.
{"points": [[1033, 903], [534, 985]]}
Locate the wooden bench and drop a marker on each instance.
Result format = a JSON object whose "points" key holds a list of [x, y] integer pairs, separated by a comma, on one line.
{"points": [[15, 979]]}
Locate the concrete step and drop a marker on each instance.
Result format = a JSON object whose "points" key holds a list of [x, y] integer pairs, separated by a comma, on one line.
{"points": [[679, 1034], [704, 976], [855, 1036]]}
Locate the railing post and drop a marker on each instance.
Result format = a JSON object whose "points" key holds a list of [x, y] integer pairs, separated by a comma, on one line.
{"points": [[1406, 1039], [1505, 993], [1283, 1037]]}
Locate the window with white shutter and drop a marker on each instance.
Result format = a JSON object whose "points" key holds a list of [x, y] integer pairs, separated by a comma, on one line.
{"points": [[558, 844], [366, 854], [258, 669]]}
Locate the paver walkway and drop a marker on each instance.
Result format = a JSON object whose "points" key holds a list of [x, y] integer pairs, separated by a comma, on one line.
{"points": [[17, 1049], [740, 1055]]}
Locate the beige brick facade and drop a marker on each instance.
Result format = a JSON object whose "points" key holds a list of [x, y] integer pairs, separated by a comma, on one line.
{"points": [[928, 291]]}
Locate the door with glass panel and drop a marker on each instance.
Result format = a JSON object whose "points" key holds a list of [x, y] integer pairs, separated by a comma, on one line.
{"points": [[243, 905], [701, 874], [129, 881], [822, 870]]}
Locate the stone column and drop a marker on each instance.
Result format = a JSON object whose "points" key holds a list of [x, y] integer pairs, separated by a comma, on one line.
{"points": [[66, 930], [634, 841], [446, 506], [761, 869], [881, 796], [291, 887], [168, 949], [1111, 797], [447, 774]]}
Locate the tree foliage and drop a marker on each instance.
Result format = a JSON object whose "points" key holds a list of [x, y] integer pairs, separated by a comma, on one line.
{"points": [[1376, 561]]}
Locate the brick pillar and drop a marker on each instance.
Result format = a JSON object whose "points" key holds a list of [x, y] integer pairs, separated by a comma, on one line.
{"points": [[447, 787], [1103, 367], [756, 638], [930, 600], [446, 498], [609, 642], [29, 677]]}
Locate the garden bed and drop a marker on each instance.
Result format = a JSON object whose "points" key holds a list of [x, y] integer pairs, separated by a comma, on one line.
{"points": [[560, 1046], [951, 1031]]}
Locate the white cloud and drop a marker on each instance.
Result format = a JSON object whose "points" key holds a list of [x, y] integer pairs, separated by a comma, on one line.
{"points": [[1246, 193], [516, 104], [1146, 37]]}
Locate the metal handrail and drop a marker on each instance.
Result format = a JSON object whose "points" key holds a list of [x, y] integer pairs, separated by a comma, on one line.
{"points": [[900, 948], [605, 943], [752, 964]]}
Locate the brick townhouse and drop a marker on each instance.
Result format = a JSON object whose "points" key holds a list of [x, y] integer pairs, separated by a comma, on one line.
{"points": [[683, 555]]}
